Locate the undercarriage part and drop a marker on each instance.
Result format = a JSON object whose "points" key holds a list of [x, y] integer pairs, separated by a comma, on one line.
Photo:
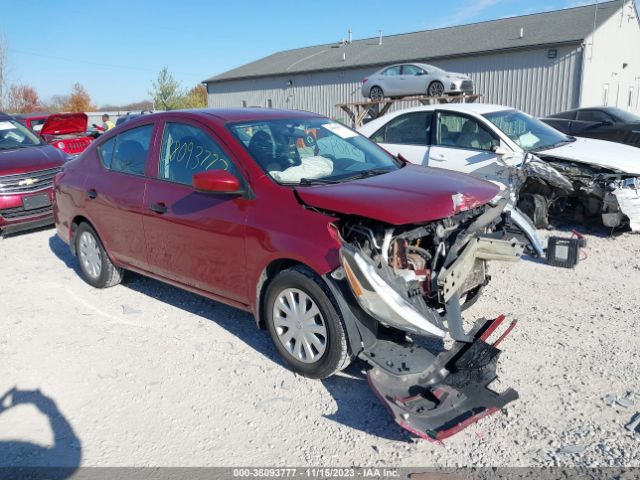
{"points": [[452, 278], [434, 397]]}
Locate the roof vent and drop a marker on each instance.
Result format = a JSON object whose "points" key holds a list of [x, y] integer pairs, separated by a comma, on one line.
{"points": [[521, 32], [380, 39], [350, 36], [344, 56]]}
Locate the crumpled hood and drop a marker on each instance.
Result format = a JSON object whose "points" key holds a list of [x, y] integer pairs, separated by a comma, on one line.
{"points": [[410, 195], [30, 159], [599, 152], [65, 124]]}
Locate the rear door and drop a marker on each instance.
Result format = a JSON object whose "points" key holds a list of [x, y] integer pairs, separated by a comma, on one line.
{"points": [[463, 143], [193, 238], [115, 193], [408, 135], [391, 82]]}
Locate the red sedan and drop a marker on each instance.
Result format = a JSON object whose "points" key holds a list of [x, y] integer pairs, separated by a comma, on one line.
{"points": [[338, 249]]}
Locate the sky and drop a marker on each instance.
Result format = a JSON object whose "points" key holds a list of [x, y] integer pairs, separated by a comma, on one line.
{"points": [[115, 48]]}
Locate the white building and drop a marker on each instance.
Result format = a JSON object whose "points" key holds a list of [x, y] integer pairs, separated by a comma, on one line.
{"points": [[541, 63]]}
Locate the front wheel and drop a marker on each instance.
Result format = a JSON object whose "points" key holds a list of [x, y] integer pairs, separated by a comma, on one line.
{"points": [[436, 89], [97, 268], [305, 325]]}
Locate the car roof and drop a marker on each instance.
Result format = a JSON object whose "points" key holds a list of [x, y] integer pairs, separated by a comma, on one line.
{"points": [[232, 115], [477, 108]]}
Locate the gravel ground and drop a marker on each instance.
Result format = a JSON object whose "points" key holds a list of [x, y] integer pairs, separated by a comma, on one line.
{"points": [[145, 374]]}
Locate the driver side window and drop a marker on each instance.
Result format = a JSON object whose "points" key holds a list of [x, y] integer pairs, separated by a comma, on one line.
{"points": [[459, 131], [187, 150]]}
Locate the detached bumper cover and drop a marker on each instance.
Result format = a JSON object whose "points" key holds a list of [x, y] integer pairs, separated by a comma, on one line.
{"points": [[436, 397]]}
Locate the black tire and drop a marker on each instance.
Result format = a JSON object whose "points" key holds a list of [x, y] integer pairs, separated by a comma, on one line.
{"points": [[376, 93], [336, 356], [109, 274], [436, 89], [536, 207]]}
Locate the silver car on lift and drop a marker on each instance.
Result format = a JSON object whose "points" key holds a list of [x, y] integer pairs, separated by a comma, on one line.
{"points": [[407, 79]]}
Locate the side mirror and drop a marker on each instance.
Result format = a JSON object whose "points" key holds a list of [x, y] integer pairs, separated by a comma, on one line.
{"points": [[499, 150], [217, 181]]}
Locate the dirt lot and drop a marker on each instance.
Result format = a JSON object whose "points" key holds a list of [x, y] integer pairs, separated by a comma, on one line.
{"points": [[146, 374]]}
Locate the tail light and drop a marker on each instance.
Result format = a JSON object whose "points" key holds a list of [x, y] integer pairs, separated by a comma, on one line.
{"points": [[61, 145], [365, 80]]}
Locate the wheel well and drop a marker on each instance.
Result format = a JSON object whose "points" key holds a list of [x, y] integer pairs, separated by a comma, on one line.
{"points": [[267, 275], [74, 227]]}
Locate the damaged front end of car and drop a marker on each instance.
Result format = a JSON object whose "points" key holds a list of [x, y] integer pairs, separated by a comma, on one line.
{"points": [[590, 194], [414, 281]]}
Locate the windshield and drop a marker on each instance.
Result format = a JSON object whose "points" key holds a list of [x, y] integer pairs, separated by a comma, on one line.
{"points": [[308, 151], [16, 135], [527, 132], [626, 117]]}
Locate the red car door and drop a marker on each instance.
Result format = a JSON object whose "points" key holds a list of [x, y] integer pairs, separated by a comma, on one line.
{"points": [[195, 238], [115, 193]]}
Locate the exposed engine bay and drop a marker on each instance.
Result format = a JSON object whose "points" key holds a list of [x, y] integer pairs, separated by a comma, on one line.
{"points": [[589, 194], [418, 279]]}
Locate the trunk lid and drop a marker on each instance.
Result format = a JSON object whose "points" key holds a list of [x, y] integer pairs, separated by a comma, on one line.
{"points": [[410, 195], [65, 124]]}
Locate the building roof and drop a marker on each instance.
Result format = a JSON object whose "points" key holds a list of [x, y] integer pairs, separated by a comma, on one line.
{"points": [[566, 26]]}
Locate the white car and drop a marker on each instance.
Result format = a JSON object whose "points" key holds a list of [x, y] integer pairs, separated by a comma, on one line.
{"points": [[557, 174], [407, 79]]}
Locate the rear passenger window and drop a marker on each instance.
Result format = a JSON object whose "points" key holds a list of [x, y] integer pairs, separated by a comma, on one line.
{"points": [[187, 150], [105, 151], [409, 129], [127, 152]]}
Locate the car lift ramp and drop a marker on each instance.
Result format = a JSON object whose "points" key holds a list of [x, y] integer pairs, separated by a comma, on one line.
{"points": [[358, 111]]}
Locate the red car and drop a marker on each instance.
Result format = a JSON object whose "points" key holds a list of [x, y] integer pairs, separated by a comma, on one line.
{"points": [[338, 249], [65, 131], [27, 168]]}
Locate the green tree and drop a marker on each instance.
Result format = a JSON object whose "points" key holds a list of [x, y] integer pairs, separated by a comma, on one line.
{"points": [[167, 92]]}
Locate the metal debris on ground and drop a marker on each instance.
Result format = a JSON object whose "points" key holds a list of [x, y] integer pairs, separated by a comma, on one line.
{"points": [[571, 449], [634, 424], [127, 310]]}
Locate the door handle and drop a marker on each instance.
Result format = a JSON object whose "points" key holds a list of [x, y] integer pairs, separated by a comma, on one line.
{"points": [[92, 193], [439, 158], [159, 208]]}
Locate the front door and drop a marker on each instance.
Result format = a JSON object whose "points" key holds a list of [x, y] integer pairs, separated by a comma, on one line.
{"points": [[462, 143], [195, 238]]}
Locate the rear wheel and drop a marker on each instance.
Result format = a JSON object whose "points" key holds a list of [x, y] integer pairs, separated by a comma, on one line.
{"points": [[436, 89], [97, 268], [376, 94], [305, 325]]}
